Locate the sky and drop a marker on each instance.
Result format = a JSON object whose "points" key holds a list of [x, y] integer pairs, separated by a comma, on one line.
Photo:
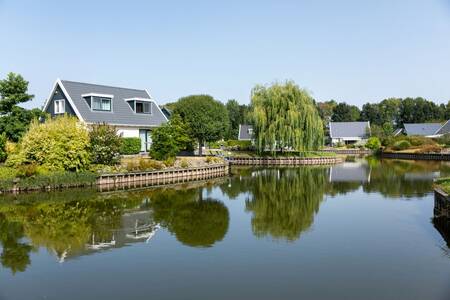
{"points": [[348, 50]]}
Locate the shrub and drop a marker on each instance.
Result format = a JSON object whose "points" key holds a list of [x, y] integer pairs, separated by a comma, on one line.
{"points": [[213, 160], [59, 144], [3, 152], [373, 143], [170, 161], [130, 145], [143, 164], [104, 144], [184, 163], [169, 139], [239, 145], [401, 145]]}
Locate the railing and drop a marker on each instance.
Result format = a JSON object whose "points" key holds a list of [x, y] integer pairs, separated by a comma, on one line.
{"points": [[348, 151], [284, 161], [152, 178]]}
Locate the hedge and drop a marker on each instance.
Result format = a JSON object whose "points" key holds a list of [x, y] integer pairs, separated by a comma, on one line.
{"points": [[130, 145]]}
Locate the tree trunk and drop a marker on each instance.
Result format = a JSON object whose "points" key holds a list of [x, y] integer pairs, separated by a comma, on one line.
{"points": [[200, 146]]}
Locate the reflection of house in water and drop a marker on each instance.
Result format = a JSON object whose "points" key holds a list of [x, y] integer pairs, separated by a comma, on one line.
{"points": [[422, 176], [350, 172], [135, 226]]}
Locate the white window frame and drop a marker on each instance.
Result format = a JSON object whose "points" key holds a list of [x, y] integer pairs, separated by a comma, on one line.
{"points": [[101, 99], [59, 106]]}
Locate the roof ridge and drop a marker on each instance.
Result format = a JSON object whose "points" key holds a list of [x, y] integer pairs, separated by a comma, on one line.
{"points": [[103, 85]]}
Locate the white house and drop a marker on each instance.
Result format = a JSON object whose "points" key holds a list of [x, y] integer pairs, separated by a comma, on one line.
{"points": [[133, 111]]}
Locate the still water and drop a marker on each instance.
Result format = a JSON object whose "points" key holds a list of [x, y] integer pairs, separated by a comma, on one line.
{"points": [[359, 230]]}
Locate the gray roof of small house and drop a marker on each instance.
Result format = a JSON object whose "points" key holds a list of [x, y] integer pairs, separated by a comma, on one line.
{"points": [[445, 129], [121, 113], [349, 129], [423, 129], [245, 132]]}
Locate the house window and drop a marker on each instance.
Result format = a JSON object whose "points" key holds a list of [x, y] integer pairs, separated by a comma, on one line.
{"points": [[99, 103], [60, 106], [143, 107]]}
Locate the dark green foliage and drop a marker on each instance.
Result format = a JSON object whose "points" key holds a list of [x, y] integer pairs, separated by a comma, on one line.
{"points": [[3, 141], [238, 114], [206, 118], [14, 120], [419, 110], [105, 144], [169, 139], [13, 91], [344, 112], [130, 145]]}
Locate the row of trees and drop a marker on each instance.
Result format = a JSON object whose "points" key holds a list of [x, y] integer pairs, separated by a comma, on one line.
{"points": [[395, 111]]}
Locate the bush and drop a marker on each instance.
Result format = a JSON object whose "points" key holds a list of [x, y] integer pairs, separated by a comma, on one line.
{"points": [[60, 144], [213, 160], [401, 145], [169, 139], [130, 146], [373, 143], [184, 163], [239, 145], [170, 161], [104, 144], [143, 164], [3, 141]]}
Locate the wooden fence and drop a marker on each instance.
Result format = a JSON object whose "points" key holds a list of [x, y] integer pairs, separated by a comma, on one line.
{"points": [[417, 156], [349, 151], [284, 161], [143, 179]]}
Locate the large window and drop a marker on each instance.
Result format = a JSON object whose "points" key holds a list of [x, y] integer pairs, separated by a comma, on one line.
{"points": [[60, 106], [99, 103], [143, 107]]}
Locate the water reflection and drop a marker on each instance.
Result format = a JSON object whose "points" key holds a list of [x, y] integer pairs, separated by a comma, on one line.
{"points": [[282, 202]]}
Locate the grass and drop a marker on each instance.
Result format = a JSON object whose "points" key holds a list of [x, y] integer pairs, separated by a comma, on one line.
{"points": [[443, 183]]}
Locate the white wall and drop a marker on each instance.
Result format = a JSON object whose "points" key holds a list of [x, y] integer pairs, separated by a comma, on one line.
{"points": [[128, 131]]}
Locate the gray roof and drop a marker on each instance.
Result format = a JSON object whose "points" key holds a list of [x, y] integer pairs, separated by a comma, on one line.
{"points": [[245, 132], [121, 113], [445, 129], [423, 129], [349, 129]]}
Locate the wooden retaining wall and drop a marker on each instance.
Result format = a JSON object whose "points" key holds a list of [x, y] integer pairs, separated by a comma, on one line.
{"points": [[441, 204], [349, 151], [417, 156], [284, 161], [143, 179]]}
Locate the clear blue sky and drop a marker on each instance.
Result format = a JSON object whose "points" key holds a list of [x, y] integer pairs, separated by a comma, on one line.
{"points": [[349, 50]]}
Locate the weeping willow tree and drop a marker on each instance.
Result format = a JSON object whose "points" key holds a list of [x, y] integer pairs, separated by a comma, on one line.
{"points": [[285, 117]]}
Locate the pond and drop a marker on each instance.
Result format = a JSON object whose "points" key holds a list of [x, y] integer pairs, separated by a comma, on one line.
{"points": [[358, 230]]}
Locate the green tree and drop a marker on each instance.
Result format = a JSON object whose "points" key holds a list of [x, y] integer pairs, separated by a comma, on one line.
{"points": [[373, 143], [344, 112], [14, 120], [206, 118], [419, 110], [169, 139], [105, 144], [285, 116], [236, 115]]}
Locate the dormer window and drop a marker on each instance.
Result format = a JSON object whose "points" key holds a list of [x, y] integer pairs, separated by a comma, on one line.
{"points": [[140, 105], [99, 102]]}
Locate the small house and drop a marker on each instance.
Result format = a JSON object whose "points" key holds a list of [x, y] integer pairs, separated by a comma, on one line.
{"points": [[349, 132]]}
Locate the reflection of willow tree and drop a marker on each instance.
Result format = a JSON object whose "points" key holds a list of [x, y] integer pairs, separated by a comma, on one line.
{"points": [[390, 178], [284, 201], [337, 188], [195, 222]]}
